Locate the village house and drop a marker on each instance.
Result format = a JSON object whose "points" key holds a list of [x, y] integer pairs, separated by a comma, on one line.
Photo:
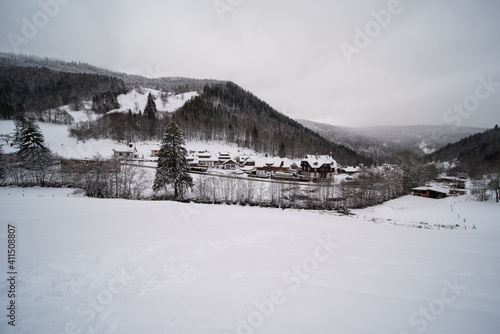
{"points": [[129, 153], [202, 159], [247, 162], [318, 167], [223, 156], [230, 165]]}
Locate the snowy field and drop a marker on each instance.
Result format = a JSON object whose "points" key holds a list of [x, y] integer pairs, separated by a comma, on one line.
{"points": [[116, 266]]}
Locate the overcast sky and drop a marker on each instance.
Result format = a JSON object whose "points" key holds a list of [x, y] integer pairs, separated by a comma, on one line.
{"points": [[343, 62]]}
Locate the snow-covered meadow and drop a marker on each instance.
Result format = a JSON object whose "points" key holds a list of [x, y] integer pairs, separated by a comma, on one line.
{"points": [[116, 266]]}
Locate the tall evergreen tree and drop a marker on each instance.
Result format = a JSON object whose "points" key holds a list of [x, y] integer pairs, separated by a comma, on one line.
{"points": [[150, 112], [30, 140], [32, 154], [150, 109], [172, 164]]}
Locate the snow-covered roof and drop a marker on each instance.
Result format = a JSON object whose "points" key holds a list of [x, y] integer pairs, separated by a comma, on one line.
{"points": [[273, 162], [126, 150], [317, 161], [432, 188], [230, 161]]}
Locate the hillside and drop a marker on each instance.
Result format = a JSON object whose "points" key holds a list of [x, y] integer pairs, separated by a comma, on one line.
{"points": [[228, 112], [381, 142], [473, 150]]}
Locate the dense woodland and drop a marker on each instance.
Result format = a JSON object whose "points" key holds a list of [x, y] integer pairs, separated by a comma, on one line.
{"points": [[27, 89]]}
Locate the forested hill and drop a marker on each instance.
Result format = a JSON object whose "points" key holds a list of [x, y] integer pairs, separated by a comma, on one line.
{"points": [[31, 89], [473, 150], [176, 85], [228, 112]]}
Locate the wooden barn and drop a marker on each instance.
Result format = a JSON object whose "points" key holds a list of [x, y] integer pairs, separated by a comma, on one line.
{"points": [[430, 192]]}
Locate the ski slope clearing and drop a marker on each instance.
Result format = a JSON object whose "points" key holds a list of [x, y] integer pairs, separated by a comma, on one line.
{"points": [[116, 266], [136, 100]]}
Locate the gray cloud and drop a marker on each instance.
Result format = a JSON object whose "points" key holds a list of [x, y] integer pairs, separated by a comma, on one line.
{"points": [[427, 59]]}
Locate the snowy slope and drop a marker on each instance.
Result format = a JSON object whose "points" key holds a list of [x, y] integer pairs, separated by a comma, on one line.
{"points": [[116, 266]]}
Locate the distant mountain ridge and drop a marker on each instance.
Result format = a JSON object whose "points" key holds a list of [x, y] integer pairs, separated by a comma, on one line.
{"points": [[381, 142], [177, 85]]}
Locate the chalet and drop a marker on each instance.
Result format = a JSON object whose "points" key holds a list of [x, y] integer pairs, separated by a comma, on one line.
{"points": [[230, 164], [155, 153], [130, 153], [202, 159], [430, 192], [207, 162], [318, 167], [247, 161]]}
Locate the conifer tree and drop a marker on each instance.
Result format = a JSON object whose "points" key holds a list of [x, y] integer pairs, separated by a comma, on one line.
{"points": [[150, 109], [172, 164], [150, 112], [32, 154], [30, 140]]}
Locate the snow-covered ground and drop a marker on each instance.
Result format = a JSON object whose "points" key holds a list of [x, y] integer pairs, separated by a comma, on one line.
{"points": [[421, 212], [116, 266]]}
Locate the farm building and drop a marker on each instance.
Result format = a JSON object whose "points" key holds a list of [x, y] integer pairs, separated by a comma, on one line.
{"points": [[430, 192]]}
